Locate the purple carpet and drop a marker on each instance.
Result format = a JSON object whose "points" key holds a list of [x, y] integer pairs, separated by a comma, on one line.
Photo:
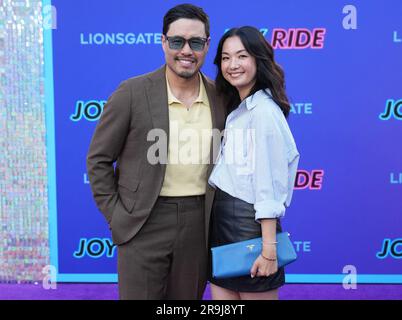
{"points": [[85, 291]]}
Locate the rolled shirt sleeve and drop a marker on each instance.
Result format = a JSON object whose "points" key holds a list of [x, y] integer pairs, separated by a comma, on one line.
{"points": [[271, 172]]}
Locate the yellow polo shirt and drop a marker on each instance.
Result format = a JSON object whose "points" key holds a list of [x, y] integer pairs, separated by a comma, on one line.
{"points": [[190, 136]]}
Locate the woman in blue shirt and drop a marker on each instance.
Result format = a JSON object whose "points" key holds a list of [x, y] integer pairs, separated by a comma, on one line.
{"points": [[255, 171]]}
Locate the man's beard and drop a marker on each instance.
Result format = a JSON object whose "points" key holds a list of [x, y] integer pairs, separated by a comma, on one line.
{"points": [[187, 74]]}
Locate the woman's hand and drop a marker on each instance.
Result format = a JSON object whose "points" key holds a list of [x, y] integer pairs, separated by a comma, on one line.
{"points": [[266, 263]]}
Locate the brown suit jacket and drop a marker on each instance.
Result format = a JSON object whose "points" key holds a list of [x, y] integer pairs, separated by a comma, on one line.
{"points": [[126, 195]]}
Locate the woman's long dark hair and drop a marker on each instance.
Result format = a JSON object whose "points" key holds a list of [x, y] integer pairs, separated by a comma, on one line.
{"points": [[269, 73]]}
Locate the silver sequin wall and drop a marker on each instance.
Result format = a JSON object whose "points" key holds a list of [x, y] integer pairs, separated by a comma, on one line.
{"points": [[24, 248]]}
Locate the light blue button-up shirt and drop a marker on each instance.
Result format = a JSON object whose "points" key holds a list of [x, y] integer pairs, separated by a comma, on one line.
{"points": [[258, 158]]}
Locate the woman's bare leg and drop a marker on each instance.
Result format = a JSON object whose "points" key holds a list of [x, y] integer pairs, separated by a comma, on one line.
{"points": [[266, 295], [219, 293]]}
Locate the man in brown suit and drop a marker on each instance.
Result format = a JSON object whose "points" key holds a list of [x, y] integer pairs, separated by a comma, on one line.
{"points": [[158, 203]]}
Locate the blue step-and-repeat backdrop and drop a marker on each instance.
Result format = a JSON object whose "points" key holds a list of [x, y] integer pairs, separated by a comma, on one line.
{"points": [[343, 66]]}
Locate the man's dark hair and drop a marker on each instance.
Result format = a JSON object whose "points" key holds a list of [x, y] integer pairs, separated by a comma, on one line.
{"points": [[185, 11]]}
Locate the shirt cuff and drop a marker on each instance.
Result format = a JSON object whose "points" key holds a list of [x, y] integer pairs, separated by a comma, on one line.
{"points": [[269, 209]]}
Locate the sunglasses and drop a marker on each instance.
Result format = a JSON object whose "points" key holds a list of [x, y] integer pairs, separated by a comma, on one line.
{"points": [[177, 43]]}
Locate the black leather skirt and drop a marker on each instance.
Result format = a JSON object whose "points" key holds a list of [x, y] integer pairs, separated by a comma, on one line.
{"points": [[233, 220]]}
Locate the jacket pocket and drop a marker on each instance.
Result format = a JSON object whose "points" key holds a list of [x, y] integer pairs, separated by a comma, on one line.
{"points": [[127, 189]]}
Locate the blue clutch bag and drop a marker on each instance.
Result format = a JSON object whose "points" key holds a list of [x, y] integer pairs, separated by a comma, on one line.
{"points": [[236, 259]]}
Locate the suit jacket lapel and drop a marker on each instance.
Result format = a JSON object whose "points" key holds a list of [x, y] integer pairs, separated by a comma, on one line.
{"points": [[158, 100], [156, 91], [212, 99], [213, 105]]}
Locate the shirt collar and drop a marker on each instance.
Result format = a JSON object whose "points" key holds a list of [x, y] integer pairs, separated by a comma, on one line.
{"points": [[253, 100], [202, 95]]}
